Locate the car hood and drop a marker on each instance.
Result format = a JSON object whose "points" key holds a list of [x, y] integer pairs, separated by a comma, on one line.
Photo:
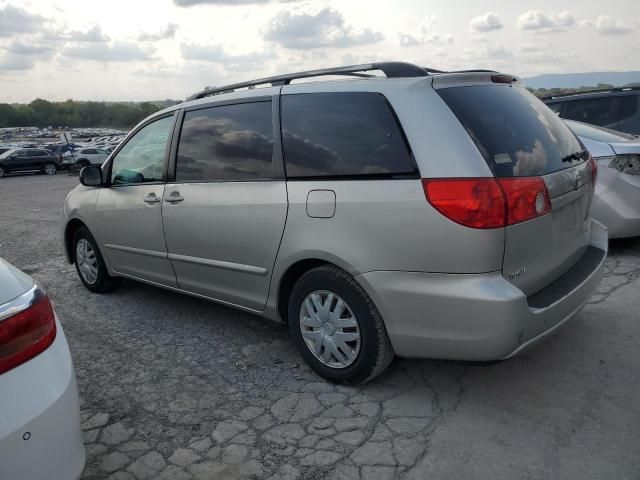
{"points": [[13, 282], [626, 147]]}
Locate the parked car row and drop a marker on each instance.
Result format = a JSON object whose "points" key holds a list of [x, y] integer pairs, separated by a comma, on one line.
{"points": [[48, 161]]}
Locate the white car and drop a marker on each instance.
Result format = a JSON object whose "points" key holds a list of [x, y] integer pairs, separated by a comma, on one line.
{"points": [[88, 156], [40, 435], [617, 198]]}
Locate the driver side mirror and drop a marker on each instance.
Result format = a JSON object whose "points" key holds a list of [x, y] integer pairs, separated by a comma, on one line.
{"points": [[91, 176]]}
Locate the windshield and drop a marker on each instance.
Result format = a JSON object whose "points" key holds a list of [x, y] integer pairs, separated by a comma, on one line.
{"points": [[516, 133], [599, 134]]}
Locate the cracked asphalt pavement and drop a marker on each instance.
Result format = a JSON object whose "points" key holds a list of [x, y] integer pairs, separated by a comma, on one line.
{"points": [[174, 387]]}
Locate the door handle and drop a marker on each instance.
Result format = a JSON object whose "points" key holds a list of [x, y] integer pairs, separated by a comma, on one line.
{"points": [[174, 197], [151, 198]]}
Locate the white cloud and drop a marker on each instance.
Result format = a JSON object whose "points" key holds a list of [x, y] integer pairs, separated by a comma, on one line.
{"points": [[18, 47], [169, 31], [21, 55], [426, 36], [297, 29], [551, 22], [486, 23], [117, 52], [16, 20], [606, 25], [218, 54], [94, 34], [408, 40], [190, 3], [225, 44], [13, 62]]}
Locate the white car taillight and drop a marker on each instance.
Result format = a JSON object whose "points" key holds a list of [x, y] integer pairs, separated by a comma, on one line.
{"points": [[27, 328], [629, 164]]}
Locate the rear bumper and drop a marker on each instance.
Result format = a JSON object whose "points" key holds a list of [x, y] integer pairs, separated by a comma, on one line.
{"points": [[477, 316], [40, 435], [617, 203]]}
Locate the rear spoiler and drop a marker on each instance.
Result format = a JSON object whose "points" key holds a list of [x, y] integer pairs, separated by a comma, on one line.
{"points": [[466, 78]]}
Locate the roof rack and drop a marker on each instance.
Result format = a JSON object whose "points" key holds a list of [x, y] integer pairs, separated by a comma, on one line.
{"points": [[587, 92], [390, 69]]}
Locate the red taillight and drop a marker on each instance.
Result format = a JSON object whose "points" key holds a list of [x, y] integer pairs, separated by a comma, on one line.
{"points": [[527, 198], [488, 202], [473, 202], [594, 170], [26, 334]]}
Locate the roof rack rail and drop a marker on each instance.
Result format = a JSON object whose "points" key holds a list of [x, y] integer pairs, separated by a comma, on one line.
{"points": [[587, 92], [473, 70], [390, 69]]}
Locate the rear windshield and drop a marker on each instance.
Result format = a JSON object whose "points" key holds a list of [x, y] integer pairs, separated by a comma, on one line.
{"points": [[517, 134]]}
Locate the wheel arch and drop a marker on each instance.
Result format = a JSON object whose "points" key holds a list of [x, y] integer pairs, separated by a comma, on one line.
{"points": [[69, 232], [296, 269]]}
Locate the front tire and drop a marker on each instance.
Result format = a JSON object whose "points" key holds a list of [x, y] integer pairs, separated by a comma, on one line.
{"points": [[337, 328], [50, 169], [2, 172], [90, 264]]}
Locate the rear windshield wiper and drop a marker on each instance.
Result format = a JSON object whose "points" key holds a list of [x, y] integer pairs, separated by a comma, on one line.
{"points": [[581, 155]]}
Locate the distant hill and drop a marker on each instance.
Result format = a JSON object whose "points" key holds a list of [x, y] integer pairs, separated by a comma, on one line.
{"points": [[574, 80]]}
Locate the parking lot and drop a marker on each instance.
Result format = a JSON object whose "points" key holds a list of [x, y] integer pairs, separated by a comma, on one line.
{"points": [[175, 387]]}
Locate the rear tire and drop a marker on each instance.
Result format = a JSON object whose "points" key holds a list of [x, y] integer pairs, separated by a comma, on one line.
{"points": [[49, 169], [346, 318], [83, 162], [90, 264], [2, 172]]}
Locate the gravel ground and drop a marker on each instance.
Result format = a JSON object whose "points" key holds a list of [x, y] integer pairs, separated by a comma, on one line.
{"points": [[174, 387]]}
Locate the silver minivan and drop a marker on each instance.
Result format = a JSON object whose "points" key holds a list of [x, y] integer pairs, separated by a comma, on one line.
{"points": [[416, 213]]}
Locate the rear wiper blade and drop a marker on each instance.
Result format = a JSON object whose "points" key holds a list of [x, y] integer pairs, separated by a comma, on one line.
{"points": [[581, 155]]}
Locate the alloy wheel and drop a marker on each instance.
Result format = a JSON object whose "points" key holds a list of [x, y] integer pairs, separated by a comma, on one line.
{"points": [[87, 261]]}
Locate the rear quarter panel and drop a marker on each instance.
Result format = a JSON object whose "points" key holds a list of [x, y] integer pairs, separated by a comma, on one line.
{"points": [[384, 225]]}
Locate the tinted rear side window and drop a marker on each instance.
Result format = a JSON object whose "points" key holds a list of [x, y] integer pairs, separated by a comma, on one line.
{"points": [[515, 132], [342, 134], [597, 111], [229, 142]]}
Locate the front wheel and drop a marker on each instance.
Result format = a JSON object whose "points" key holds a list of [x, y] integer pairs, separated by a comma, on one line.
{"points": [[50, 169], [337, 328], [90, 264], [2, 172]]}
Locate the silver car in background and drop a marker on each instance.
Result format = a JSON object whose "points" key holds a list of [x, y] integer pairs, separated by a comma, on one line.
{"points": [[425, 214], [617, 200]]}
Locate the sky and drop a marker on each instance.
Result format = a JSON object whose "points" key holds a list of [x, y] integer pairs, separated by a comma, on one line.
{"points": [[138, 50]]}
